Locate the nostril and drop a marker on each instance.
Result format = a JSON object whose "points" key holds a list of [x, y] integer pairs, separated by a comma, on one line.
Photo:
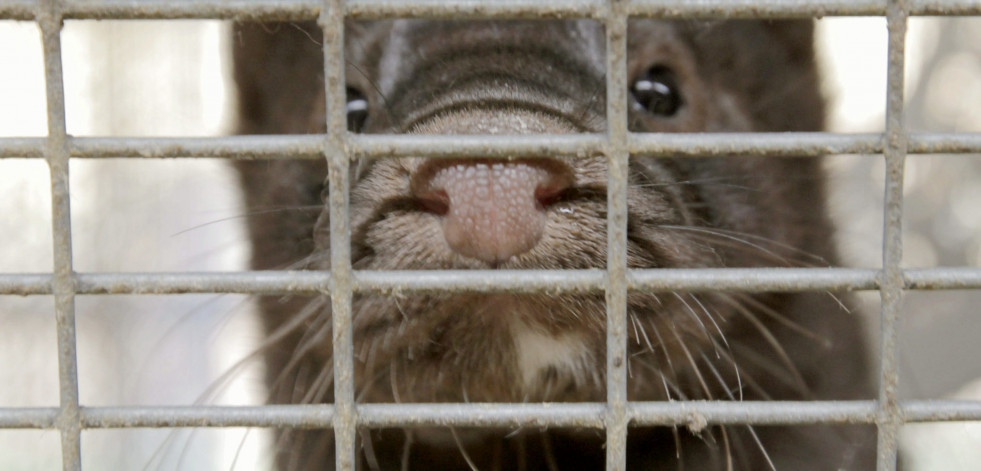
{"points": [[549, 193], [434, 201]]}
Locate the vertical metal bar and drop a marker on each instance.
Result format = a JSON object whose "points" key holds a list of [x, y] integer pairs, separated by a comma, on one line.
{"points": [[56, 154], [345, 418], [616, 262], [889, 417]]}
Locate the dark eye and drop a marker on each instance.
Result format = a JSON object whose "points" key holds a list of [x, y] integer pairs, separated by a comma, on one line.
{"points": [[657, 92], [357, 110]]}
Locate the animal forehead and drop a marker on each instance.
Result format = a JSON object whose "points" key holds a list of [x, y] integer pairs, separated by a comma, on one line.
{"points": [[421, 39], [393, 51], [446, 33]]}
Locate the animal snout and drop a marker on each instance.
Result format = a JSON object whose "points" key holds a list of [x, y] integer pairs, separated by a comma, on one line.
{"points": [[491, 210]]}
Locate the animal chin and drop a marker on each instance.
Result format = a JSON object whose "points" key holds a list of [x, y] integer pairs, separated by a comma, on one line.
{"points": [[550, 365], [549, 362], [482, 348]]}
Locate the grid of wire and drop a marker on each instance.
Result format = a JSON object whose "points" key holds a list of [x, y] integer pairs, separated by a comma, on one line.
{"points": [[338, 147]]}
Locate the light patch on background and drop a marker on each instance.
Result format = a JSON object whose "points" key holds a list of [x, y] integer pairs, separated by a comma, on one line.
{"points": [[852, 52], [958, 104], [942, 217], [131, 78], [22, 75]]}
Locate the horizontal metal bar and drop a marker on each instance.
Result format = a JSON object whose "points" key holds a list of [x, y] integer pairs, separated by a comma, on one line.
{"points": [[590, 415], [942, 278], [499, 146], [944, 7], [465, 9], [18, 10], [294, 415], [314, 282], [792, 8], [692, 413], [25, 284], [699, 413], [800, 412], [753, 279], [269, 10], [310, 146], [484, 281], [29, 417], [944, 143], [518, 281], [248, 282], [22, 147], [769, 144], [940, 410], [258, 10], [302, 146]]}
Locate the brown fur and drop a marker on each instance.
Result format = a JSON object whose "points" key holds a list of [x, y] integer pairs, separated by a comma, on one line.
{"points": [[489, 77]]}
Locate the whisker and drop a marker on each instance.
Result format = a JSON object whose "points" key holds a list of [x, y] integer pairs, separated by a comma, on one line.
{"points": [[710, 317], [723, 240], [407, 448], [463, 451], [752, 431], [728, 449], [239, 449], [782, 319], [394, 380], [304, 345], [677, 447], [737, 236], [759, 444], [744, 379], [694, 315], [774, 343], [701, 181], [667, 356], [249, 214], [750, 355], [369, 450], [320, 386], [641, 333], [691, 361], [718, 376]]}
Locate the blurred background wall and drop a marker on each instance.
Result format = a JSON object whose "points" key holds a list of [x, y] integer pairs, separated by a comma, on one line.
{"points": [[156, 78], [135, 78]]}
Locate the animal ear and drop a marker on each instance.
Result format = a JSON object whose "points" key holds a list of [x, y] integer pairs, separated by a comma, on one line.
{"points": [[797, 84], [796, 36], [771, 65], [267, 56]]}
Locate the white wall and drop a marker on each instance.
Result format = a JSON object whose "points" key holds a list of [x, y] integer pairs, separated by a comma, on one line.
{"points": [[141, 78]]}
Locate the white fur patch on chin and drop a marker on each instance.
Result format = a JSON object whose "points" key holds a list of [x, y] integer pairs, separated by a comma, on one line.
{"points": [[537, 351]]}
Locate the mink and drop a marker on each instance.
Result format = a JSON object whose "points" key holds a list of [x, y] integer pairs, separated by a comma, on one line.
{"points": [[414, 76]]}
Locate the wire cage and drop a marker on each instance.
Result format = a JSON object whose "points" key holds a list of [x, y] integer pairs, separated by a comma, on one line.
{"points": [[888, 413]]}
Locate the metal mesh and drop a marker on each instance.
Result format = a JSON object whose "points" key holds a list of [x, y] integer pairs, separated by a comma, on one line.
{"points": [[887, 412]]}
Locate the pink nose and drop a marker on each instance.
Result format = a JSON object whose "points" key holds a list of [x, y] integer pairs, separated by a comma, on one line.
{"points": [[492, 210]]}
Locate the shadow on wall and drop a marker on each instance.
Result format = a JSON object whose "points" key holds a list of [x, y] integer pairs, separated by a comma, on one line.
{"points": [[153, 78]]}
